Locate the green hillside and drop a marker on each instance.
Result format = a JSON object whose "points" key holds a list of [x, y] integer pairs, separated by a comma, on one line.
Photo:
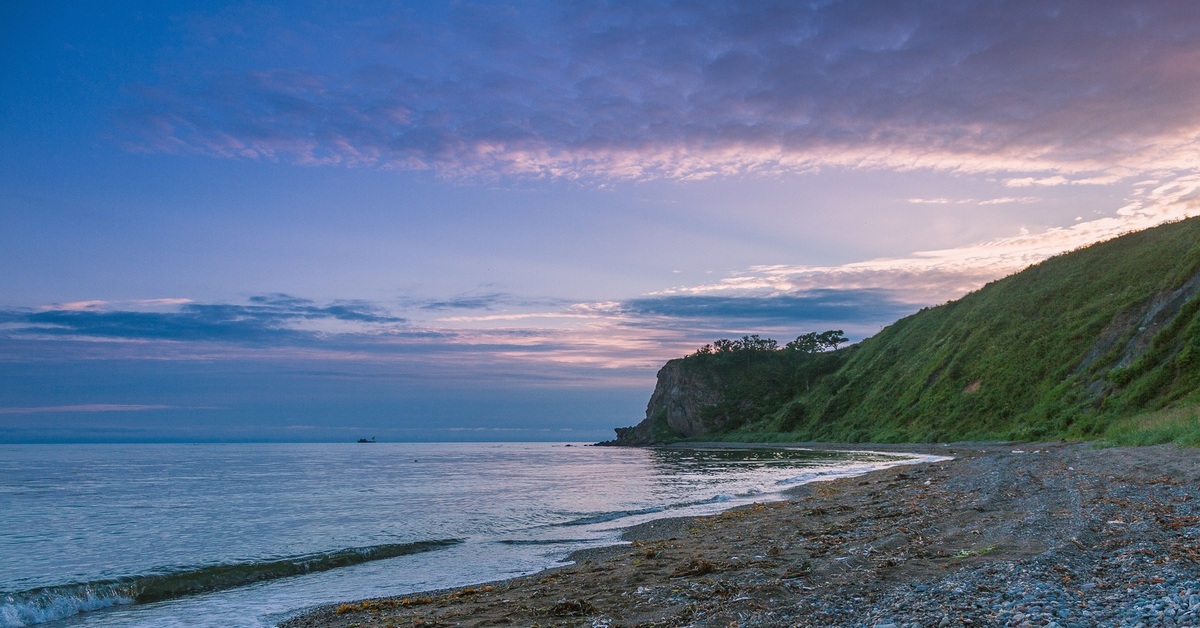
{"points": [[1103, 341]]}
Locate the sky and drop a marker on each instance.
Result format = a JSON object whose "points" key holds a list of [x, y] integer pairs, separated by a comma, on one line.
{"points": [[299, 221]]}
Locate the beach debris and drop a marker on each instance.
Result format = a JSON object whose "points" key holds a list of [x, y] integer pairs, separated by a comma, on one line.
{"points": [[468, 592], [869, 554], [697, 566], [376, 606], [571, 608], [975, 552], [800, 570]]}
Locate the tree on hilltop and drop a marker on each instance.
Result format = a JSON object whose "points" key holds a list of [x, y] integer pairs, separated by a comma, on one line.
{"points": [[811, 342]]}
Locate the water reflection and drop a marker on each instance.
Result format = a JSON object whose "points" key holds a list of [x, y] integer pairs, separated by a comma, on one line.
{"points": [[714, 460]]}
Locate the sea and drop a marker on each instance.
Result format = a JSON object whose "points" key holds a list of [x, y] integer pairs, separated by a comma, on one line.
{"points": [[247, 535]]}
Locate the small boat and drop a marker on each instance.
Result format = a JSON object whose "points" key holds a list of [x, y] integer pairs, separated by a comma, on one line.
{"points": [[367, 440]]}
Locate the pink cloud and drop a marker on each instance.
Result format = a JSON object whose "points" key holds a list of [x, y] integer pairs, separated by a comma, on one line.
{"points": [[1050, 93], [927, 277]]}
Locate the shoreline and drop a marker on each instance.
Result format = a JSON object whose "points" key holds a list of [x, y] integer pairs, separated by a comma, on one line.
{"points": [[1003, 534]]}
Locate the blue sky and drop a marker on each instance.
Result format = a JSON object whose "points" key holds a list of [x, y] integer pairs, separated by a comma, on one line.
{"points": [[494, 220]]}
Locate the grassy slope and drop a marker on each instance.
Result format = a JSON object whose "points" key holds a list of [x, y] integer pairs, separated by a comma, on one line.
{"points": [[1010, 360], [757, 383]]}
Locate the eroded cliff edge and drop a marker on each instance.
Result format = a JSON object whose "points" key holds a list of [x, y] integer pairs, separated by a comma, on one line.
{"points": [[716, 393], [1063, 349]]}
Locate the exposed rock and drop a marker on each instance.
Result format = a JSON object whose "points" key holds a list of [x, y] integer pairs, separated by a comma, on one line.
{"points": [[1137, 329], [1064, 349], [677, 408]]}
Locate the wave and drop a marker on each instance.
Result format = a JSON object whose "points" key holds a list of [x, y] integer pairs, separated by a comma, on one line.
{"points": [[543, 541], [55, 602], [820, 474], [602, 517], [841, 472]]}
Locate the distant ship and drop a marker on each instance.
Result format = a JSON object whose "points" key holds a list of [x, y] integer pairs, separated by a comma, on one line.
{"points": [[367, 440]]}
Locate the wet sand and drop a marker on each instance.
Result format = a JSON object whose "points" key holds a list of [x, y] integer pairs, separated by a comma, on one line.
{"points": [[1003, 534]]}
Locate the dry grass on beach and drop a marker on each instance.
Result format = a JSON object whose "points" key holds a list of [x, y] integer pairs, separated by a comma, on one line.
{"points": [[1061, 534]]}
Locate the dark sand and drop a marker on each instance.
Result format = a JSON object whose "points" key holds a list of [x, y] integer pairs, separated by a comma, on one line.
{"points": [[1043, 534]]}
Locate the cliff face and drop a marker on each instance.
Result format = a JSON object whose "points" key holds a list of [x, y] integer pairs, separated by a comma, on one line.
{"points": [[715, 393], [682, 398], [1061, 350]]}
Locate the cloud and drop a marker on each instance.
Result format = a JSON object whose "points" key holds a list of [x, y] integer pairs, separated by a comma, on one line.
{"points": [[78, 306], [538, 345], [497, 335], [477, 302], [265, 319], [1009, 200], [827, 305], [1004, 200], [487, 302], [1055, 92], [92, 407], [929, 277]]}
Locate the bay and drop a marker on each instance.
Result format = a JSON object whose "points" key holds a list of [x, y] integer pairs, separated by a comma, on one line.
{"points": [[245, 535]]}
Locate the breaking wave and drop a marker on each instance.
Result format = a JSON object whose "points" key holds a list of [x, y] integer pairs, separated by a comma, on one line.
{"points": [[55, 602], [602, 517]]}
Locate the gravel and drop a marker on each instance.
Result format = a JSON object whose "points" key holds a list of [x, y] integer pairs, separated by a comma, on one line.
{"points": [[1003, 535]]}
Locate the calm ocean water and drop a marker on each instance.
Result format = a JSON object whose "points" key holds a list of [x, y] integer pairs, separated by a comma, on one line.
{"points": [[245, 535]]}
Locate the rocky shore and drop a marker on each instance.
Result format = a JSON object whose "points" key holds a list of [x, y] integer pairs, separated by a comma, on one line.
{"points": [[1002, 535]]}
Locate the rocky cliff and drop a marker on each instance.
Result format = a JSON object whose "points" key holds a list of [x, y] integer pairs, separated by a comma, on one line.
{"points": [[1064, 349], [718, 392], [680, 406]]}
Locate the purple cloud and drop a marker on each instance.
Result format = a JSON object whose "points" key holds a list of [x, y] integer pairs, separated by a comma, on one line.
{"points": [[682, 90], [92, 407], [268, 319]]}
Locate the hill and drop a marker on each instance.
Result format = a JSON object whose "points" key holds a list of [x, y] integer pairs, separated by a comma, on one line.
{"points": [[1100, 342]]}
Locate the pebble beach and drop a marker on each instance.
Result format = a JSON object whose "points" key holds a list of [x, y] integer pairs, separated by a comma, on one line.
{"points": [[1059, 534]]}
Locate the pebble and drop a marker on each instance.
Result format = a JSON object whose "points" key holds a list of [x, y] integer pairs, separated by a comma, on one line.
{"points": [[1139, 573]]}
